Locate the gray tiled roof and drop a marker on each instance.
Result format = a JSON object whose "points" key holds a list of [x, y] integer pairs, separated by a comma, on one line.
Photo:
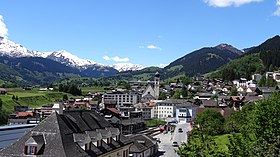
{"points": [[59, 132], [141, 143]]}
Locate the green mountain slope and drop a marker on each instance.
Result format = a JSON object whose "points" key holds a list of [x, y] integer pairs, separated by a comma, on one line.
{"points": [[265, 57], [242, 67], [202, 61]]}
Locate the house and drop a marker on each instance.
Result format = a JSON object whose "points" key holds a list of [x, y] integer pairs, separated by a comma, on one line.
{"points": [[145, 109], [128, 126], [20, 108], [3, 91], [110, 112], [256, 77], [203, 96], [125, 111], [122, 99], [24, 115], [143, 145], [73, 133], [185, 112], [210, 103], [132, 125], [276, 76], [57, 107], [266, 91], [237, 102], [110, 103], [225, 112], [165, 109]]}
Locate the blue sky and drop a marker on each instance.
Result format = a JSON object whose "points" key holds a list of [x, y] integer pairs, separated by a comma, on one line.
{"points": [[145, 32]]}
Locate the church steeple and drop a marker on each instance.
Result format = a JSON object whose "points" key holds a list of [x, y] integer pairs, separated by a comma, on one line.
{"points": [[156, 86]]}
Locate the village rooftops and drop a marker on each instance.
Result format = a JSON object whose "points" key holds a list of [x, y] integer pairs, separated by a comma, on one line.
{"points": [[68, 135]]}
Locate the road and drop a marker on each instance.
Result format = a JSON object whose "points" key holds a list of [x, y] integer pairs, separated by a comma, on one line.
{"points": [[165, 147]]}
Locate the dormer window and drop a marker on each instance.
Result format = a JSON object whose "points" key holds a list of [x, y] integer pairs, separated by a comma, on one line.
{"points": [[83, 140], [99, 143], [34, 144], [30, 150], [87, 146], [96, 138], [109, 140]]}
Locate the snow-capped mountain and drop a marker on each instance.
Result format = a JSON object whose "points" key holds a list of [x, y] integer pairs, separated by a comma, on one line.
{"points": [[68, 59], [11, 49], [127, 66], [14, 50]]}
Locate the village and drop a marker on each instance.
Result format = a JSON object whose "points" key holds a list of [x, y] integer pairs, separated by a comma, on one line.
{"points": [[129, 111]]}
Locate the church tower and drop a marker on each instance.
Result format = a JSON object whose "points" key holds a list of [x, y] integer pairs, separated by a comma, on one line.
{"points": [[156, 86]]}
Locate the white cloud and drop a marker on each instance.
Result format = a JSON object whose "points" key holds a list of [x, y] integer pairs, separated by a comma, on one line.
{"points": [[277, 12], [153, 47], [116, 59], [106, 58], [228, 3], [3, 28]]}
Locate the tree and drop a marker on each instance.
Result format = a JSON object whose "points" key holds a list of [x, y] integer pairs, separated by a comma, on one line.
{"points": [[1, 104], [184, 92], [233, 91], [239, 121], [65, 97], [162, 96], [267, 82], [267, 123], [214, 97], [270, 82], [262, 82], [177, 94], [210, 122], [260, 132], [200, 145], [237, 146]]}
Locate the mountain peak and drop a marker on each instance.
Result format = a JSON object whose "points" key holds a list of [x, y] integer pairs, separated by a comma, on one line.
{"points": [[69, 59], [223, 45], [11, 49], [228, 47]]}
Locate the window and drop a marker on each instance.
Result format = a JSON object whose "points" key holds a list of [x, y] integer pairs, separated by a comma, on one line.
{"points": [[30, 150], [124, 153], [99, 143], [87, 146], [109, 140]]}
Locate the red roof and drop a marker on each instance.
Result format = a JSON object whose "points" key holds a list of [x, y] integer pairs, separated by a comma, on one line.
{"points": [[79, 103], [237, 98], [151, 104], [114, 110], [24, 114]]}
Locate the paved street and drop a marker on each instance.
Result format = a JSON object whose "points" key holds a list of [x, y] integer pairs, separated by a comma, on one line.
{"points": [[165, 147]]}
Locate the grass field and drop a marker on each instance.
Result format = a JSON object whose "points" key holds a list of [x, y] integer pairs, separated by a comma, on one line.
{"points": [[85, 90], [30, 98]]}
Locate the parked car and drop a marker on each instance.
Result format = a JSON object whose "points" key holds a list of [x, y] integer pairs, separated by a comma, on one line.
{"points": [[175, 144]]}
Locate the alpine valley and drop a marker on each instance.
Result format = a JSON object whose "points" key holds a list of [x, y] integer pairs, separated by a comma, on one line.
{"points": [[23, 66], [19, 64]]}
